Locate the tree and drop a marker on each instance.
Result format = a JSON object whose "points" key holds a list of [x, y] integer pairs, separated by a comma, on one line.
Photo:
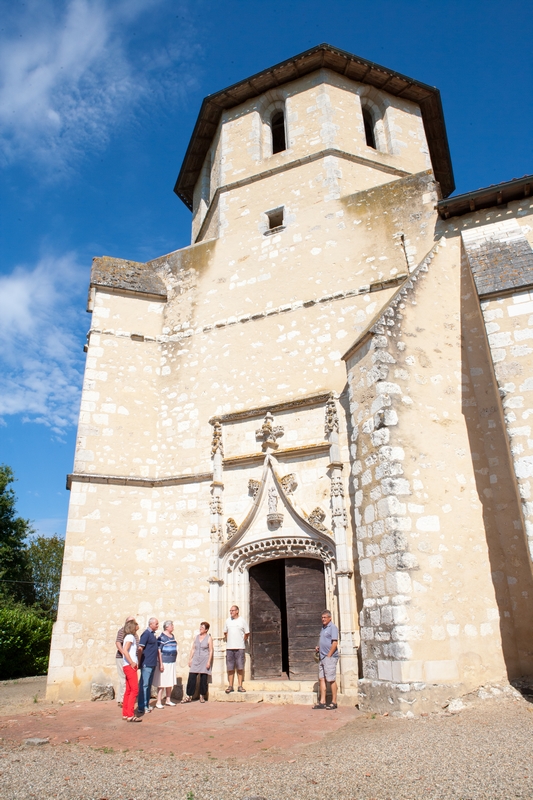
{"points": [[45, 555], [24, 641], [15, 572]]}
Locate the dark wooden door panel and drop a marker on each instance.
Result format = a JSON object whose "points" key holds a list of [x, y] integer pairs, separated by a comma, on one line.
{"points": [[265, 619], [305, 598]]}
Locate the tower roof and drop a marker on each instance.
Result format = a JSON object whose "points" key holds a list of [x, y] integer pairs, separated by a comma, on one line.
{"points": [[323, 56]]}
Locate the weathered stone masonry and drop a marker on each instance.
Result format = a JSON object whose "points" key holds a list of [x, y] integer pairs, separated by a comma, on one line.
{"points": [[222, 428]]}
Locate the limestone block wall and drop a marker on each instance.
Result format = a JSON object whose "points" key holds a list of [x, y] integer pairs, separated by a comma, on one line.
{"points": [[130, 550], [119, 395], [430, 615], [331, 241], [501, 259]]}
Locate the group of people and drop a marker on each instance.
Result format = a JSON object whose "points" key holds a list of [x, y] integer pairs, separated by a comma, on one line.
{"points": [[146, 660]]}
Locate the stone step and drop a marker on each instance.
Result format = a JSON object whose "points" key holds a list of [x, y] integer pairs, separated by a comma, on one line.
{"points": [[265, 685], [279, 698]]}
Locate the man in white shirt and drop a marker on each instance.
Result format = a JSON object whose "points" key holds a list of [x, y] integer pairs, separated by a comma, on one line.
{"points": [[236, 633]]}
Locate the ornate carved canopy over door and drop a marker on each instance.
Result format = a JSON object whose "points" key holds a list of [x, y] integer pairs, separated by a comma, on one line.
{"points": [[305, 601]]}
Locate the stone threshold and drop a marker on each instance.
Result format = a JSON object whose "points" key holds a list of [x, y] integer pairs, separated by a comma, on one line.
{"points": [[280, 692]]}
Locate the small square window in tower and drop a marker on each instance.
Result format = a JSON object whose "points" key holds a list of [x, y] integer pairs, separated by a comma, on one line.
{"points": [[275, 219], [277, 126]]}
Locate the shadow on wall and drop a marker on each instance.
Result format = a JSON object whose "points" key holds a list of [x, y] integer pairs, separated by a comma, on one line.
{"points": [[496, 487], [344, 402]]}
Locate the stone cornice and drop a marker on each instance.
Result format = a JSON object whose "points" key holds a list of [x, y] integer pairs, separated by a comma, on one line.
{"points": [[123, 480], [122, 292], [275, 408], [320, 448]]}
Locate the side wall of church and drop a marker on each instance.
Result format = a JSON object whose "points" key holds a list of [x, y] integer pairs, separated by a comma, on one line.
{"points": [[443, 560]]}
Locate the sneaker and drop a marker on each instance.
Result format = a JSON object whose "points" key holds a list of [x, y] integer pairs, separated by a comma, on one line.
{"points": [[158, 705], [170, 703]]}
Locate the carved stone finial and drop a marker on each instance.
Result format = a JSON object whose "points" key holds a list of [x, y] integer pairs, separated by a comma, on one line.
{"points": [[289, 483], [216, 533], [316, 519], [273, 517], [332, 418], [217, 445], [215, 505], [340, 517], [269, 433], [337, 487], [231, 528], [253, 487]]}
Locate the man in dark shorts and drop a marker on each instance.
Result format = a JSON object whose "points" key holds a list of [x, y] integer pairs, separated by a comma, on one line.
{"points": [[236, 633], [328, 654]]}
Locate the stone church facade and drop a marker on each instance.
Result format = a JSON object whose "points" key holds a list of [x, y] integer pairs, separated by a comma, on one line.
{"points": [[326, 399]]}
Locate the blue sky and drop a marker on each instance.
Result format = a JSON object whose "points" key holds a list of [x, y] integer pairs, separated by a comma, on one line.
{"points": [[98, 99]]}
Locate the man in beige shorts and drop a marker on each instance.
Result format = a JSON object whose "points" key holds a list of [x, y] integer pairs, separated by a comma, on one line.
{"points": [[236, 633], [328, 654]]}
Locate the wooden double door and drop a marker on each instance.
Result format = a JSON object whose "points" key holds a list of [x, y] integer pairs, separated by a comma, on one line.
{"points": [[287, 597]]}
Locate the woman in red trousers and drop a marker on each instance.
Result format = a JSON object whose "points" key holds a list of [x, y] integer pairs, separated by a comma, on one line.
{"points": [[130, 665]]}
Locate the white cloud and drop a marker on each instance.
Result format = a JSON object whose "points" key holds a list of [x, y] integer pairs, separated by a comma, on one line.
{"points": [[68, 76], [41, 335]]}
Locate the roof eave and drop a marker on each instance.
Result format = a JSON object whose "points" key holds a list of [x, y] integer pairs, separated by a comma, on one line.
{"points": [[497, 195], [321, 56]]}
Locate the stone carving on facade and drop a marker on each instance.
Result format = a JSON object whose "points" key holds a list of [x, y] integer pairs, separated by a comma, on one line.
{"points": [[216, 533], [316, 519], [337, 487], [231, 528], [287, 547], [269, 433], [215, 505], [289, 483], [274, 518], [339, 517], [253, 487], [332, 418], [217, 445]]}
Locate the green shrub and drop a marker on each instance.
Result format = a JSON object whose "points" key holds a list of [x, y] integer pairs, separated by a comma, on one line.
{"points": [[24, 642]]}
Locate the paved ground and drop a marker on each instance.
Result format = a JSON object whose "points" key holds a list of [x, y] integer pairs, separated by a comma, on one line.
{"points": [[219, 751], [220, 730]]}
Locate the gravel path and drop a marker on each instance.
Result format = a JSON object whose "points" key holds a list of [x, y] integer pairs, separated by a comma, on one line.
{"points": [[486, 751]]}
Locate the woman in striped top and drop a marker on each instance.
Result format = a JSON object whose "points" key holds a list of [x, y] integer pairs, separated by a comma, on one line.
{"points": [[166, 677]]}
